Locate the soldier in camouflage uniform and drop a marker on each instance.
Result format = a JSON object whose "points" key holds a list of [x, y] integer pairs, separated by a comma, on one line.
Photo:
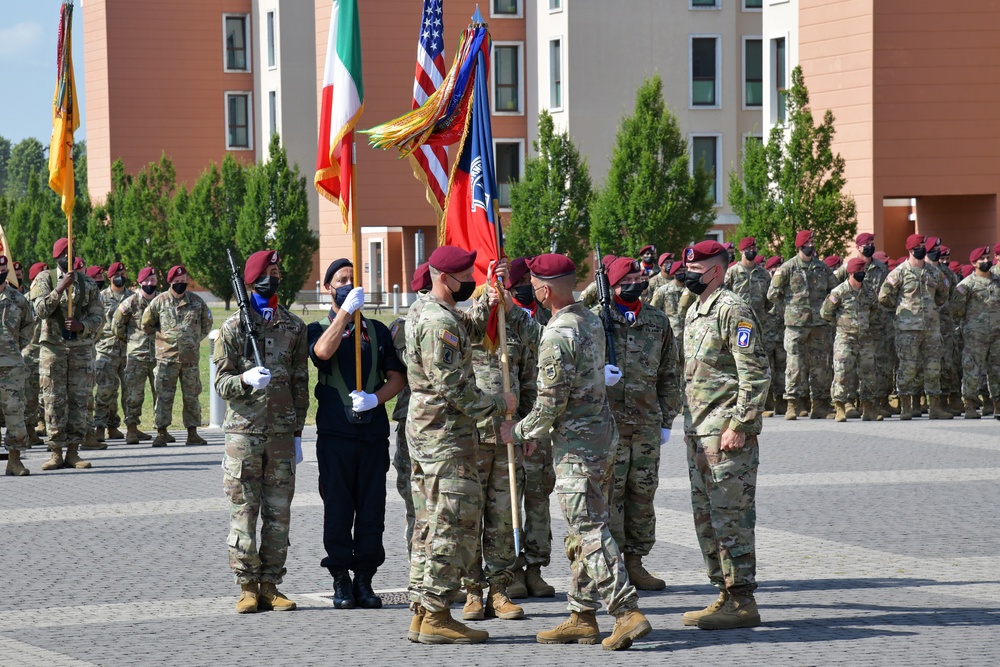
{"points": [[661, 278], [667, 299], [950, 381], [801, 285], [140, 353], [749, 280], [29, 353], [17, 325], [916, 291], [110, 365], [774, 343], [96, 273], [572, 407], [727, 382], [66, 379], [951, 339], [976, 304], [441, 432], [180, 320], [265, 412]]}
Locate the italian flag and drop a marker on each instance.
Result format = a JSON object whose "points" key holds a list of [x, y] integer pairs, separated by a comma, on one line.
{"points": [[343, 102]]}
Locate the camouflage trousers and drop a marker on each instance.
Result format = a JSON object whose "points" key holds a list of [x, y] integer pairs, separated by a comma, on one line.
{"points": [[723, 498], [65, 387], [951, 359], [596, 563], [495, 553], [537, 480], [167, 375], [448, 502], [137, 374], [109, 374], [259, 479], [882, 335], [401, 462], [853, 367], [636, 477], [12, 405], [807, 366], [981, 357], [919, 352], [776, 359], [31, 414]]}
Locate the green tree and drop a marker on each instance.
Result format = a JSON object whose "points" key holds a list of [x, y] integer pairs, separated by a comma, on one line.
{"points": [[4, 159], [26, 158], [795, 182], [275, 216], [550, 206], [651, 194], [35, 222]]}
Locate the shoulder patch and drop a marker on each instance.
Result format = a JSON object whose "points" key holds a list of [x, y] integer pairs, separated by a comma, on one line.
{"points": [[449, 338], [834, 299], [743, 331], [891, 279], [960, 288], [393, 330]]}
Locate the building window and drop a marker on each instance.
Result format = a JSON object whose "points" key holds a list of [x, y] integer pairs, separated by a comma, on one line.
{"points": [[555, 5], [507, 155], [238, 121], [780, 74], [704, 78], [555, 74], [704, 155], [272, 110], [753, 73], [507, 78], [237, 59], [704, 4], [272, 57], [506, 8], [753, 4]]}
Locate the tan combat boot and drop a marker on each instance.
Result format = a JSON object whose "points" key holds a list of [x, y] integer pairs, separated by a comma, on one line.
{"points": [[803, 406], [413, 634], [133, 435], [841, 415], [971, 410], [905, 413], [629, 626], [955, 404], [893, 405], [33, 438], [438, 627], [474, 609], [919, 405], [40, 429], [937, 410], [14, 466], [247, 604], [851, 410], [114, 434], [820, 410], [55, 460], [780, 406], [73, 459], [162, 438], [639, 576], [271, 599], [738, 612], [94, 440], [579, 628], [792, 411], [537, 587], [498, 605], [517, 589], [193, 437], [869, 412], [690, 618]]}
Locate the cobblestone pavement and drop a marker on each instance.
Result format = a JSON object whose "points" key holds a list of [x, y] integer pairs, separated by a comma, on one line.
{"points": [[877, 544]]}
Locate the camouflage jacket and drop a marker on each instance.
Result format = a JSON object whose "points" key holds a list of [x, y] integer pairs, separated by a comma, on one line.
{"points": [[588, 296], [445, 402], [875, 273], [125, 325], [180, 324], [648, 392], [572, 404], [108, 343], [655, 283], [667, 299], [281, 406], [725, 367], [915, 293], [17, 325], [51, 308], [802, 287], [976, 304], [751, 286], [523, 367], [849, 309], [946, 311], [397, 330]]}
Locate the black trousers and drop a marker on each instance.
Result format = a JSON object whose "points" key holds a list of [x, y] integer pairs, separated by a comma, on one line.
{"points": [[352, 484]]}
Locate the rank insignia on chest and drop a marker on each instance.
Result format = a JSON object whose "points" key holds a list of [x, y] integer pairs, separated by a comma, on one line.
{"points": [[449, 338], [743, 331]]}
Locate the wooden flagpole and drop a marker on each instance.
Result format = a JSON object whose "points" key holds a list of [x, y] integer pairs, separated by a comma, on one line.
{"points": [[356, 260]]}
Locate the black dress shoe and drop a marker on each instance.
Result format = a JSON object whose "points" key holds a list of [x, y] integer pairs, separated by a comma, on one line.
{"points": [[366, 597], [343, 590]]}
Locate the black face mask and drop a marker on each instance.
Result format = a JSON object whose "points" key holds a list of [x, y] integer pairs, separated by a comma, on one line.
{"points": [[3, 277], [750, 255], [860, 276], [463, 292], [868, 250], [266, 286], [525, 294], [340, 294], [118, 281], [807, 250], [919, 253], [934, 255], [178, 288], [631, 293], [679, 277], [732, 257], [100, 284], [693, 282], [985, 266], [63, 263], [149, 289]]}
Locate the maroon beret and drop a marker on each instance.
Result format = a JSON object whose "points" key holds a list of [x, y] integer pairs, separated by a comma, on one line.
{"points": [[955, 267], [864, 238], [3, 260], [747, 242], [94, 270], [931, 242], [606, 261], [856, 264], [421, 279], [803, 237], [978, 253], [59, 247], [704, 250], [517, 270], [551, 266], [772, 262], [146, 273], [945, 250], [620, 268], [902, 259], [677, 266], [759, 259], [37, 268], [257, 264], [648, 247], [78, 264], [450, 259], [832, 260], [174, 272], [892, 264], [996, 249], [115, 268], [967, 270], [913, 240], [881, 256], [17, 266], [728, 245], [664, 257]]}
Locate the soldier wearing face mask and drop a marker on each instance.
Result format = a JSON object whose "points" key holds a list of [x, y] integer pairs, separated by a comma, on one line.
{"points": [[180, 320], [976, 304], [109, 367], [647, 259], [661, 278], [140, 355], [16, 326]]}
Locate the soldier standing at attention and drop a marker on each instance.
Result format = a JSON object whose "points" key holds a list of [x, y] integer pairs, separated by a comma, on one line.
{"points": [[140, 355], [445, 405], [180, 320], [951, 340], [774, 343], [572, 408], [29, 353], [976, 305], [265, 412], [110, 365], [17, 324], [727, 382], [749, 280], [662, 277], [647, 259]]}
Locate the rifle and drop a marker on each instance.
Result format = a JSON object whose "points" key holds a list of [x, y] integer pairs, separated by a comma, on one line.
{"points": [[252, 335], [604, 298]]}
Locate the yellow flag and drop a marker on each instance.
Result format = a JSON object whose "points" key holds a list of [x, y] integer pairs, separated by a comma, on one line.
{"points": [[65, 115]]}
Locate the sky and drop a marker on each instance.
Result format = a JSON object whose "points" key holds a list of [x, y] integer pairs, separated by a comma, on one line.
{"points": [[28, 34]]}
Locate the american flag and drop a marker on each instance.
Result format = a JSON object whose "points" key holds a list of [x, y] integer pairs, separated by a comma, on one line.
{"points": [[431, 160]]}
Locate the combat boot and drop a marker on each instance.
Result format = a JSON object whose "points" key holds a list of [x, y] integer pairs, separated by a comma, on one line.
{"points": [[73, 459], [819, 410], [14, 466], [780, 406], [579, 628], [343, 590], [247, 604], [883, 407], [988, 409], [413, 634], [33, 438], [474, 609], [55, 460], [438, 627], [133, 435], [162, 438], [99, 434], [690, 618], [905, 413], [803, 406], [996, 410], [869, 412], [498, 605], [114, 433], [841, 415], [271, 599], [94, 440], [792, 412], [193, 437], [517, 589], [537, 587], [40, 429], [639, 577], [971, 410], [738, 612], [919, 405], [363, 592], [851, 410], [937, 410], [955, 404], [629, 626], [894, 405]]}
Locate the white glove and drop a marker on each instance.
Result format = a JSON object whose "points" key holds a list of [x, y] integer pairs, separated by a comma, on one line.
{"points": [[355, 300], [298, 450], [363, 401], [611, 375], [256, 377], [664, 435]]}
